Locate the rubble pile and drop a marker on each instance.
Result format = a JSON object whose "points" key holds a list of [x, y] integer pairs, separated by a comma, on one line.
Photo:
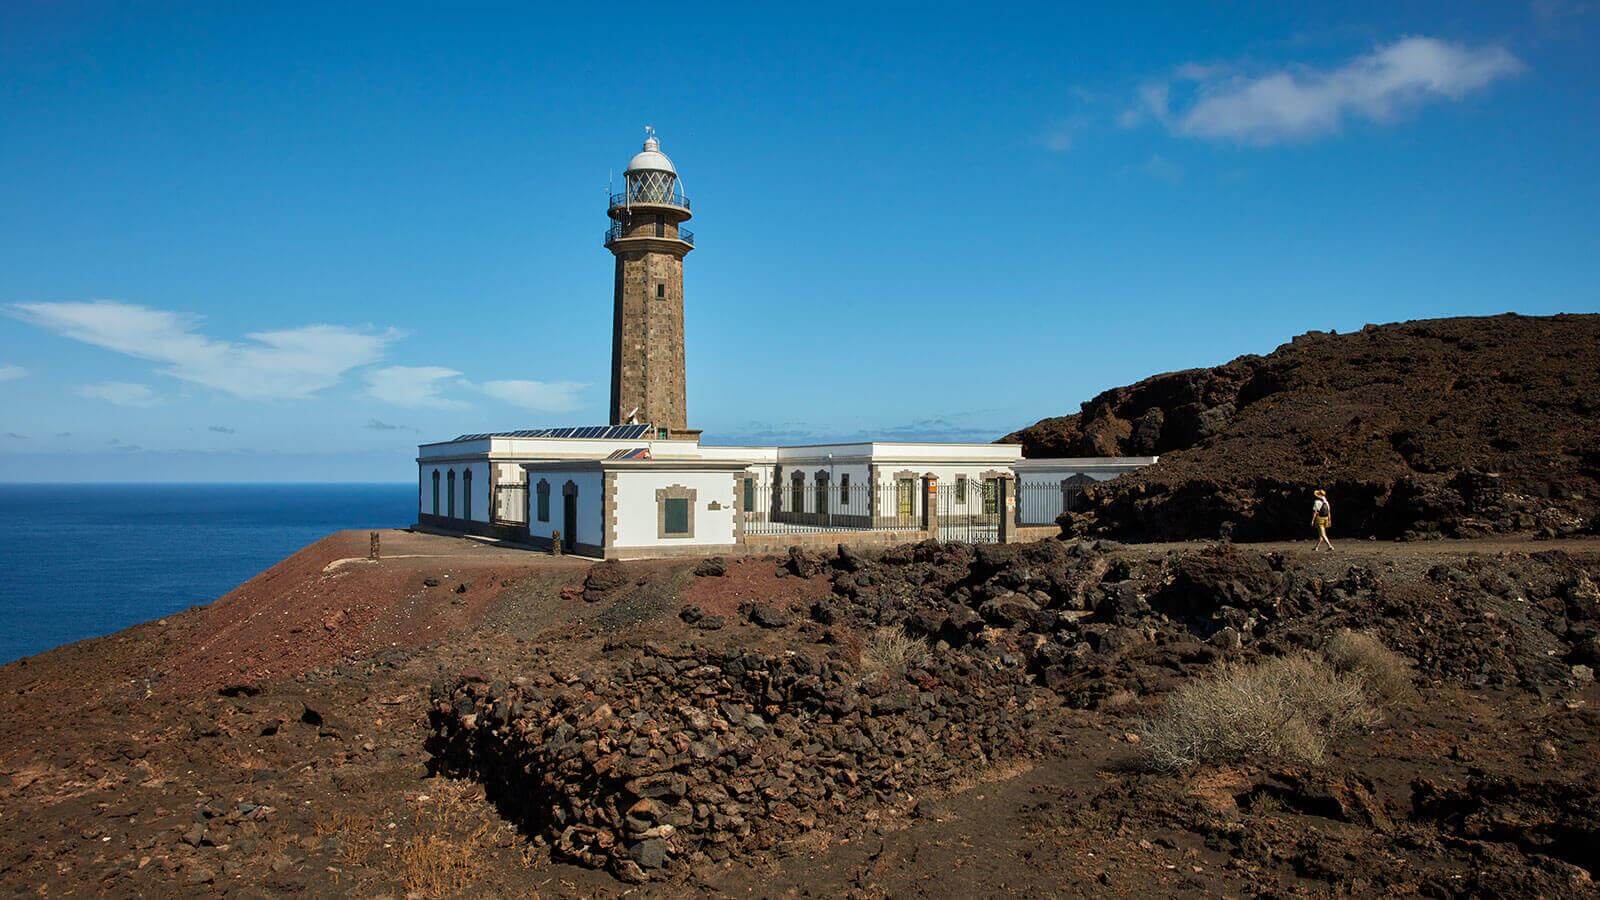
{"points": [[678, 756], [659, 758]]}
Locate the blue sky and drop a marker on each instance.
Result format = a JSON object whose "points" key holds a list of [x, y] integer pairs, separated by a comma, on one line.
{"points": [[288, 241]]}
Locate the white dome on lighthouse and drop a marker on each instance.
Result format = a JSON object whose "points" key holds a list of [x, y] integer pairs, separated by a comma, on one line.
{"points": [[651, 159]]}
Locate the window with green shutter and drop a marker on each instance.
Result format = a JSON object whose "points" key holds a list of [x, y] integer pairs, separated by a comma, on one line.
{"points": [[676, 512], [749, 495]]}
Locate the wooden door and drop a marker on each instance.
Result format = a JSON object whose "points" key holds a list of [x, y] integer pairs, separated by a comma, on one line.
{"points": [[905, 497]]}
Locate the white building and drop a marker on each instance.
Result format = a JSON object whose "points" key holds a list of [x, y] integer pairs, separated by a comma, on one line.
{"points": [[645, 486], [618, 492]]}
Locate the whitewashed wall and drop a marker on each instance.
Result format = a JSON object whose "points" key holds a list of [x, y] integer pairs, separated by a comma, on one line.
{"points": [[480, 490], [636, 507], [591, 499]]}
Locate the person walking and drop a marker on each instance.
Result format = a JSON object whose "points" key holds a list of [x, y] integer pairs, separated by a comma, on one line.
{"points": [[1321, 518]]}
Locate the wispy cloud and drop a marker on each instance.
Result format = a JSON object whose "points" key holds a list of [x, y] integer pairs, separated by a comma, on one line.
{"points": [[413, 386], [121, 393], [380, 425], [285, 364], [1301, 103], [9, 372], [222, 429], [16, 437], [536, 396]]}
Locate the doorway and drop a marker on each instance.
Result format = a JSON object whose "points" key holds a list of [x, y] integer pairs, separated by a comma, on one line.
{"points": [[905, 498], [569, 522]]}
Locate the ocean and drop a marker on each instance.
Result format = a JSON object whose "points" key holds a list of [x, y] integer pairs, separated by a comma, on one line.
{"points": [[78, 561]]}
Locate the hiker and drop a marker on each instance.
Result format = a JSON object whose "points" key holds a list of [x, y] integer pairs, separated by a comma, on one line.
{"points": [[1321, 518]]}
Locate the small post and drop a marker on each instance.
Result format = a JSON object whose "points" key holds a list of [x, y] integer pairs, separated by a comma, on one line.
{"points": [[372, 546], [555, 543], [1008, 511], [930, 506]]}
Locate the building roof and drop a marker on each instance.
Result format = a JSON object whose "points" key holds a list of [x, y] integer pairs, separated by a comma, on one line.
{"points": [[651, 158], [583, 432]]}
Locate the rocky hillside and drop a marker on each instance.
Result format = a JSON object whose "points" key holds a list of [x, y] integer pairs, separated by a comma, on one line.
{"points": [[1441, 427]]}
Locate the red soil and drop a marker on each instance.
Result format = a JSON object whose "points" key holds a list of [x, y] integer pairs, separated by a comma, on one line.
{"points": [[754, 578], [328, 602]]}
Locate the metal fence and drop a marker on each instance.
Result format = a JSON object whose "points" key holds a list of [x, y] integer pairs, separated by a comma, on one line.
{"points": [[969, 510], [807, 505], [1042, 502]]}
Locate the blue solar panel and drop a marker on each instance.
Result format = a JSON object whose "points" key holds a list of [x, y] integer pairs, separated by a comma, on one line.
{"points": [[585, 432]]}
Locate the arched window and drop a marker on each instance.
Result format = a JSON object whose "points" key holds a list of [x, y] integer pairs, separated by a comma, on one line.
{"points": [[450, 493], [822, 492], [844, 491], [797, 492], [542, 500], [436, 492], [466, 494]]}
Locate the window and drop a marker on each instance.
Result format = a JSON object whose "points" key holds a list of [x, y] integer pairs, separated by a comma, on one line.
{"points": [[676, 516], [450, 497], [991, 496], [675, 512], [844, 490], [661, 228], [797, 493], [466, 494], [661, 434], [961, 489], [436, 492], [822, 492], [542, 500], [661, 290], [749, 495]]}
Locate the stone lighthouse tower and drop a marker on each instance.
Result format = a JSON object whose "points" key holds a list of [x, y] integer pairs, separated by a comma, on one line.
{"points": [[646, 237]]}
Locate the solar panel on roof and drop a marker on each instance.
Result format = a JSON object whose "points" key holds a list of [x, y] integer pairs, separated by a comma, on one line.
{"points": [[584, 432]]}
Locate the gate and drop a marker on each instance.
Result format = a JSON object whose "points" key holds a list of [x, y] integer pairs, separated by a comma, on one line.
{"points": [[511, 504], [969, 511]]}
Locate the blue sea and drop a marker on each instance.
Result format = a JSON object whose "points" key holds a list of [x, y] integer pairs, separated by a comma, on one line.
{"points": [[78, 561]]}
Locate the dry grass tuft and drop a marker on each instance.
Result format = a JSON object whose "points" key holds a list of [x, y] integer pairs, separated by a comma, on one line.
{"points": [[890, 649], [437, 865], [1284, 710], [1361, 654]]}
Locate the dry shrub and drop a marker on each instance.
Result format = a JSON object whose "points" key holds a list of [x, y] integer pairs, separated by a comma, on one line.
{"points": [[890, 649], [1361, 654], [1280, 710], [437, 865]]}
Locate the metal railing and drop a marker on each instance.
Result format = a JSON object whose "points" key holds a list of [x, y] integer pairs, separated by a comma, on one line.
{"points": [[806, 506], [618, 231], [1042, 502], [650, 197]]}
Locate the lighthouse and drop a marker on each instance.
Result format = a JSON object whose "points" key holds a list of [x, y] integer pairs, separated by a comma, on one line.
{"points": [[649, 242]]}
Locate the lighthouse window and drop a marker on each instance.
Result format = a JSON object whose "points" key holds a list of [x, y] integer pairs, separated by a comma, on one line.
{"points": [[661, 292], [661, 226]]}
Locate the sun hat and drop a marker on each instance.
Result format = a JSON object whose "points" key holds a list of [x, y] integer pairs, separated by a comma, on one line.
{"points": [[1319, 492]]}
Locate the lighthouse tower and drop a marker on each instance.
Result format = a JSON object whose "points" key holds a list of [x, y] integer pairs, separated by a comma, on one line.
{"points": [[647, 238]]}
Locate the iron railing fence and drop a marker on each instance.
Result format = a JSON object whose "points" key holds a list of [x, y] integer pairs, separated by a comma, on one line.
{"points": [[618, 231], [807, 506], [969, 510], [1042, 502]]}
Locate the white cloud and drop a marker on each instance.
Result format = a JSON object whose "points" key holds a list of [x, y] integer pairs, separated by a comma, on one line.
{"points": [[1300, 103], [121, 393], [412, 386], [9, 372], [286, 364], [536, 396]]}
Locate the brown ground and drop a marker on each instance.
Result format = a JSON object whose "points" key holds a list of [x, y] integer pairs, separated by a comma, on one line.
{"points": [[1457, 427], [272, 743]]}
